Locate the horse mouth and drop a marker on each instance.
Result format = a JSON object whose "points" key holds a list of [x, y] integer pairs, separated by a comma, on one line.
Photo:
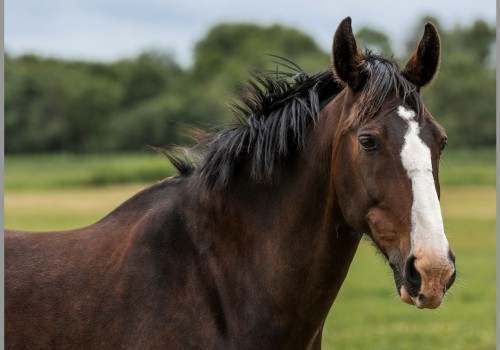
{"points": [[420, 301], [403, 291], [400, 285], [405, 296]]}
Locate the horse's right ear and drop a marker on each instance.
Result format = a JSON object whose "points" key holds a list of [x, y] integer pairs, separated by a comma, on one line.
{"points": [[347, 59]]}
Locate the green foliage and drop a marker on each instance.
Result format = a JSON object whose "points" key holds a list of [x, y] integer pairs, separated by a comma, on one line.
{"points": [[227, 48], [52, 105], [462, 98], [55, 105], [374, 40], [147, 76]]}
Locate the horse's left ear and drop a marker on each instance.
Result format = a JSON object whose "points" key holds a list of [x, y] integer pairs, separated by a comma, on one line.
{"points": [[424, 62]]}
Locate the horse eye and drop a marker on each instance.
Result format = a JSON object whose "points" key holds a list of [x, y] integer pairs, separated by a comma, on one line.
{"points": [[443, 144], [367, 142]]}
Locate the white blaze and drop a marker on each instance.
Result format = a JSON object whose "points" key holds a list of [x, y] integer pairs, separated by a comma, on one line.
{"points": [[427, 231]]}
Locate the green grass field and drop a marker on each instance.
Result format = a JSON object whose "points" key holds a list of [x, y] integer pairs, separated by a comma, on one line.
{"points": [[59, 192], [60, 171]]}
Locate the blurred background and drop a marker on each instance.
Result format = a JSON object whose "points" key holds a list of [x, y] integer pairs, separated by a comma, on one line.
{"points": [[90, 85]]}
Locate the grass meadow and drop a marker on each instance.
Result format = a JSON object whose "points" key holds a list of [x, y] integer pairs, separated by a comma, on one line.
{"points": [[68, 191]]}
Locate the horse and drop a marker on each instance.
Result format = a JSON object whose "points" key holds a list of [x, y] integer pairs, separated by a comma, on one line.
{"points": [[248, 246]]}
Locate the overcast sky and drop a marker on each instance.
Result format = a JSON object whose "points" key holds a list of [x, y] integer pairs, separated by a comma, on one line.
{"points": [[111, 29]]}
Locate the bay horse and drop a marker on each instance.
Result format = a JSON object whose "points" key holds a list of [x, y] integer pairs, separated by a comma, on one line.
{"points": [[248, 248]]}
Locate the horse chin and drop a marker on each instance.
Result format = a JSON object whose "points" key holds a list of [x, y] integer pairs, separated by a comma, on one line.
{"points": [[428, 304]]}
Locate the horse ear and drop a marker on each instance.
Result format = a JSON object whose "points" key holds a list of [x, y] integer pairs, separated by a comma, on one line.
{"points": [[347, 58], [424, 62]]}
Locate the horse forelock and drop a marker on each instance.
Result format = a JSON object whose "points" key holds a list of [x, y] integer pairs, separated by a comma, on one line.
{"points": [[384, 88]]}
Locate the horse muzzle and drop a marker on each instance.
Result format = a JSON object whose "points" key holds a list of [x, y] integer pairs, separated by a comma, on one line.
{"points": [[424, 281]]}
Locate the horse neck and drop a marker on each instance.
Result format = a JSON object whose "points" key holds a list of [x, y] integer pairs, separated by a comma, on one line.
{"points": [[277, 237]]}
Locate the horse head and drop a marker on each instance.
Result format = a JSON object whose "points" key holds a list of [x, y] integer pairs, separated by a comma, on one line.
{"points": [[385, 163]]}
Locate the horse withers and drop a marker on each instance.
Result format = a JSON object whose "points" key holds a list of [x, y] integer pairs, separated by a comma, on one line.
{"points": [[248, 248]]}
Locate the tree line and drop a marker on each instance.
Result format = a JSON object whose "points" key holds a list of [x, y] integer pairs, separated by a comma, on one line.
{"points": [[54, 105]]}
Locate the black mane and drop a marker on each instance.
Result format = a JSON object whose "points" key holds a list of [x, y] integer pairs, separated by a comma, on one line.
{"points": [[272, 120]]}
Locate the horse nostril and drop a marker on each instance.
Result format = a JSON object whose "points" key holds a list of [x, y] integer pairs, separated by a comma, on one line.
{"points": [[422, 298], [451, 256], [451, 280], [454, 275], [412, 276]]}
